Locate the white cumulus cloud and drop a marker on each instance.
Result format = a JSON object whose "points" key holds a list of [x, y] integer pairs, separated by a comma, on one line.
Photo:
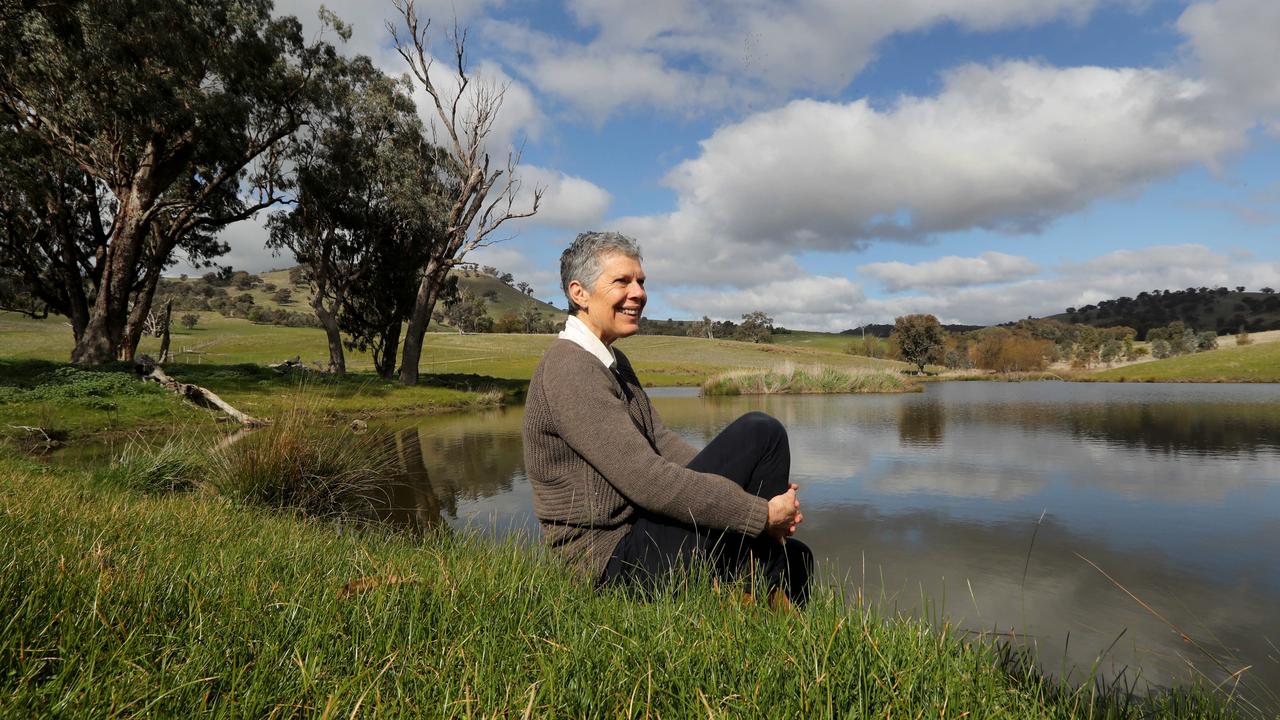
{"points": [[835, 303], [726, 52], [1237, 45], [951, 271], [567, 201], [1007, 147]]}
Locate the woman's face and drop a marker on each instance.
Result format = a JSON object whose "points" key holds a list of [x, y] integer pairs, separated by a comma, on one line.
{"points": [[611, 306]]}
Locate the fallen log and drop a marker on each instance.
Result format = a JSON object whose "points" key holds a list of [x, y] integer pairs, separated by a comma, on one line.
{"points": [[149, 371], [294, 364]]}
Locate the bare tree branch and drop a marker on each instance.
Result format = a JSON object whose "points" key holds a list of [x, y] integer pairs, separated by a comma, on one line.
{"points": [[467, 116]]}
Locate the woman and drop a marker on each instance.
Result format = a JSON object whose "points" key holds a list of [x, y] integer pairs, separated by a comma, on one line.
{"points": [[618, 494]]}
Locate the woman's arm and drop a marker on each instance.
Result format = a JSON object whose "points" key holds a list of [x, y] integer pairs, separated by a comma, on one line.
{"points": [[591, 416]]}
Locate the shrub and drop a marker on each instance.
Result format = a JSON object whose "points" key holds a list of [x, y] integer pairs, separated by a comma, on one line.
{"points": [[1002, 351], [95, 386], [190, 320]]}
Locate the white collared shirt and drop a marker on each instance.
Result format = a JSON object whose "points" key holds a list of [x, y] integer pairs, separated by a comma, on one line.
{"points": [[577, 332]]}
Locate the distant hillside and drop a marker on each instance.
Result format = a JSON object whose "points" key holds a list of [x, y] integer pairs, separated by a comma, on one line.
{"points": [[280, 297], [1221, 309], [500, 298]]}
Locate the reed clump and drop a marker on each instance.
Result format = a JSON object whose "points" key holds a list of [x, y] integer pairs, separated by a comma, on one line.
{"points": [[175, 465], [807, 379], [299, 463]]}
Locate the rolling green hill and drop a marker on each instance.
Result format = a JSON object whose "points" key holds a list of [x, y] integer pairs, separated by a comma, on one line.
{"points": [[1259, 362], [500, 297]]}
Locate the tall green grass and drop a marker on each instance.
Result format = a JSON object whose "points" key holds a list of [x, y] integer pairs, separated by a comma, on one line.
{"points": [[301, 464], [175, 464], [788, 378], [115, 602]]}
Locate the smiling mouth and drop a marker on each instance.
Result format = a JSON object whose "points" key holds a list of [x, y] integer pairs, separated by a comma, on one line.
{"points": [[631, 312]]}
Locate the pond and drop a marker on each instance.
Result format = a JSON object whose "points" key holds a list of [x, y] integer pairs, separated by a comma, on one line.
{"points": [[1050, 512]]}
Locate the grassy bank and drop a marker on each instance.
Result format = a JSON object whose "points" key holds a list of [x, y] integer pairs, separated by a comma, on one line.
{"points": [[175, 604], [1249, 363], [790, 379], [76, 402]]}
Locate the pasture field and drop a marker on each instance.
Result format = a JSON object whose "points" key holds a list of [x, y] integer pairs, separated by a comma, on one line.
{"points": [[659, 359], [1257, 362], [230, 356]]}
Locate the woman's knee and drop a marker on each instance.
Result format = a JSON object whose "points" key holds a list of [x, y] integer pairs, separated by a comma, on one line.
{"points": [[762, 424]]}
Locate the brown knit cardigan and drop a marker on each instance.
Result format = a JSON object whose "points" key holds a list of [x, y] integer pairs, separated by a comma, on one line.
{"points": [[595, 452]]}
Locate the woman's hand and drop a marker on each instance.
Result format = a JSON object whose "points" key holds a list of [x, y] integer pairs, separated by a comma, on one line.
{"points": [[784, 515]]}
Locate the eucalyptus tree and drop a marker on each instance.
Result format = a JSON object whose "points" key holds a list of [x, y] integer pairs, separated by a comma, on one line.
{"points": [[480, 197], [51, 231], [168, 120], [366, 212], [919, 340]]}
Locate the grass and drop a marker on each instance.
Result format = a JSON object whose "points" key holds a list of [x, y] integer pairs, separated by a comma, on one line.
{"points": [[119, 602], [792, 379], [1250, 363], [109, 400]]}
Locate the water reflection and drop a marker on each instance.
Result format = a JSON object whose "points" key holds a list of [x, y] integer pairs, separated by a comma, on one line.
{"points": [[1174, 491], [460, 471], [407, 501], [920, 424]]}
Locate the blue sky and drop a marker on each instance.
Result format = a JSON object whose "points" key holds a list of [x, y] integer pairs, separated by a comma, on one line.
{"points": [[835, 163]]}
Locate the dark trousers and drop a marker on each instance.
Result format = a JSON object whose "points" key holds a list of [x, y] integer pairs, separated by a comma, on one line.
{"points": [[753, 452]]}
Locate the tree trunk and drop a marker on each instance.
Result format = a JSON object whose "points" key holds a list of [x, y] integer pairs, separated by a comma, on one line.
{"points": [[422, 308], [386, 364], [77, 303], [138, 315], [147, 370], [329, 321], [164, 342], [104, 333]]}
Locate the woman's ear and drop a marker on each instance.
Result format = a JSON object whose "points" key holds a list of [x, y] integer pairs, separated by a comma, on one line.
{"points": [[578, 294]]}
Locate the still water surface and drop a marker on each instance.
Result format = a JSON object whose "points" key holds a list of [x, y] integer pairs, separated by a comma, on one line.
{"points": [[929, 503]]}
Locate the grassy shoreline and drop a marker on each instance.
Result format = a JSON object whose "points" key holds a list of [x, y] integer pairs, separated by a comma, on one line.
{"points": [[174, 604], [789, 379], [108, 402]]}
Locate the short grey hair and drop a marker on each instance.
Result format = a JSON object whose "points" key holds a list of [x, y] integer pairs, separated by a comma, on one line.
{"points": [[581, 260]]}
